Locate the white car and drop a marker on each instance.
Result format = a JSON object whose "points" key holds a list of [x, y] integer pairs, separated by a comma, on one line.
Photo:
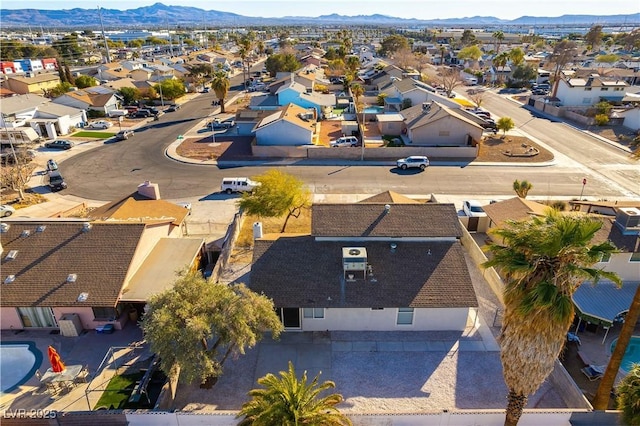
{"points": [[472, 208], [238, 184], [6, 210], [415, 161], [344, 141], [102, 124]]}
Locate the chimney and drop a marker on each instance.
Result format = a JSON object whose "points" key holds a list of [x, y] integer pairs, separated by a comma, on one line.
{"points": [[149, 190]]}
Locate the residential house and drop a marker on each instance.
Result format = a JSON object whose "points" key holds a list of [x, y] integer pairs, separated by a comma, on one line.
{"points": [[38, 84], [98, 270], [50, 64], [369, 266], [34, 66], [8, 67], [631, 118], [403, 92], [589, 91], [112, 71], [290, 126], [89, 100], [296, 93], [52, 119], [434, 124]]}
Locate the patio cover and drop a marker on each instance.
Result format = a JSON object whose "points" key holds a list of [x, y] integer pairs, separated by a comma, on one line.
{"points": [[158, 272], [601, 303]]}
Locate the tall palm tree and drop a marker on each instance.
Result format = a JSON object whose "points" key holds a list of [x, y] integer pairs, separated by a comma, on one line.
{"points": [[220, 85], [287, 401], [543, 261], [501, 60], [499, 36], [601, 400]]}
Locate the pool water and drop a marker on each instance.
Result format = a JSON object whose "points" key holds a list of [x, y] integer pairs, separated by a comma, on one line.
{"points": [[18, 363], [631, 355], [374, 110]]}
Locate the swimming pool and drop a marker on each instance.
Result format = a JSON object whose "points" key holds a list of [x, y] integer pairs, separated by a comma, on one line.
{"points": [[374, 110], [18, 363], [631, 355]]}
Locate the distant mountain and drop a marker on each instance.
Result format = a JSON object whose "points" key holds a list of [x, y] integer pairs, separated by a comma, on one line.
{"points": [[160, 15]]}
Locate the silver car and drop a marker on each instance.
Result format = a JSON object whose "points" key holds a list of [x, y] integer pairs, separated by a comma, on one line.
{"points": [[415, 161]]}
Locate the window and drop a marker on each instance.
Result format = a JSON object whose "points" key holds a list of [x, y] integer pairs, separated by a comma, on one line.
{"points": [[586, 101], [405, 316], [103, 313], [443, 133], [587, 89], [315, 313], [604, 89], [635, 257], [377, 309], [605, 257]]}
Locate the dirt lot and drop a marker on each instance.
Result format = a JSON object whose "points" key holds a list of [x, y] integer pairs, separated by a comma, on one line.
{"points": [[513, 149]]}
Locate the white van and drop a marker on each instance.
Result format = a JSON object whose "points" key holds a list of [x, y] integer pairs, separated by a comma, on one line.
{"points": [[238, 184]]}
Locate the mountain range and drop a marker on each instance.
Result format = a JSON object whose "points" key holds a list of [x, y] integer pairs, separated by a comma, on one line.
{"points": [[161, 15]]}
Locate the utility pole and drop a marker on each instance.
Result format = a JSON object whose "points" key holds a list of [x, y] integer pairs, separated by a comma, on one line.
{"points": [[104, 37]]}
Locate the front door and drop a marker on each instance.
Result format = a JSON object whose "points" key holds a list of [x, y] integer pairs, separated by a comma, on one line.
{"points": [[472, 226], [290, 317]]}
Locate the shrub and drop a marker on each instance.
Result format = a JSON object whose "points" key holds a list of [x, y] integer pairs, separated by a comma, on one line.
{"points": [[601, 119], [558, 205]]}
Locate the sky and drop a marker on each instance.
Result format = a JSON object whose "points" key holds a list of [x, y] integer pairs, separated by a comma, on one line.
{"points": [[420, 9]]}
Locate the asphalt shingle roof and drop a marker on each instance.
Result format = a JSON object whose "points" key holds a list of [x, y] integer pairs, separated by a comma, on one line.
{"points": [[430, 220], [100, 257], [302, 272]]}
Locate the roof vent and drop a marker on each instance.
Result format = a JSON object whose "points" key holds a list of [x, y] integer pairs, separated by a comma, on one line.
{"points": [[25, 233], [393, 247], [387, 208], [41, 228], [11, 255], [4, 227], [82, 297], [9, 279], [86, 227], [71, 278]]}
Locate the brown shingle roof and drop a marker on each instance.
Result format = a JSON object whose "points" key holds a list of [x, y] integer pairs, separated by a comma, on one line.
{"points": [[513, 209], [611, 232], [301, 272], [138, 208], [370, 220], [100, 257]]}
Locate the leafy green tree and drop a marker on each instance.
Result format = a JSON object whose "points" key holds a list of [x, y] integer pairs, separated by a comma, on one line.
{"points": [[68, 47], [601, 119], [603, 107], [130, 95], [524, 72], [516, 56], [505, 124], [171, 88], [472, 53], [628, 392], [522, 188], [594, 37], [468, 38], [220, 85], [281, 62], [392, 44], [543, 261], [197, 324], [610, 58], [287, 401], [83, 81], [279, 193], [59, 90]]}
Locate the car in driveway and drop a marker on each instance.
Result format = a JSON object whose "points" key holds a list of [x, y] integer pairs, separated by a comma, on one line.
{"points": [[124, 134], [102, 124], [415, 161], [350, 141], [473, 208], [218, 124], [6, 210], [59, 144]]}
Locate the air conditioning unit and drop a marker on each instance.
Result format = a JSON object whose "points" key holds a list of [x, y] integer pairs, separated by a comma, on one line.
{"points": [[628, 220], [354, 259]]}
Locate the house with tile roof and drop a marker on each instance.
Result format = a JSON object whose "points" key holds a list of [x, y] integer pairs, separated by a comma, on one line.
{"points": [[98, 270], [290, 126], [369, 266], [435, 124]]}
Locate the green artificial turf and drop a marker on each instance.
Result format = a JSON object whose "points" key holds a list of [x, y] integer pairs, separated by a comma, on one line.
{"points": [[116, 395], [95, 135]]}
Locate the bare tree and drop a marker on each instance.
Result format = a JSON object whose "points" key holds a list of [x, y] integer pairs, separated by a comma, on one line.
{"points": [[449, 79], [405, 58], [563, 53], [16, 176], [477, 97]]}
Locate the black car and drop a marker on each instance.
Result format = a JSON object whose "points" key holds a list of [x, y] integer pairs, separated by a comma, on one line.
{"points": [[173, 108], [59, 144], [56, 181], [142, 113]]}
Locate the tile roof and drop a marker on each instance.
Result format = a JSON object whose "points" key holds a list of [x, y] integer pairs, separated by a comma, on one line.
{"points": [[430, 220], [301, 272], [140, 209], [513, 209], [100, 257]]}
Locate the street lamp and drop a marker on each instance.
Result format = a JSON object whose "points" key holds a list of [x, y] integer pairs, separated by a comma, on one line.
{"points": [[584, 183]]}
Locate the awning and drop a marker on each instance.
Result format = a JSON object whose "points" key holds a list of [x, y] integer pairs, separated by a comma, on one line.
{"points": [[603, 302], [158, 271]]}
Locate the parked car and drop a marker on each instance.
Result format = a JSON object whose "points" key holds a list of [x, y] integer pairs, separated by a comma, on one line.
{"points": [[101, 124], [489, 124], [238, 184], [6, 210], [344, 141], [59, 144], [539, 92], [124, 134], [56, 181], [52, 166], [217, 124], [142, 113], [414, 161], [472, 208], [173, 108]]}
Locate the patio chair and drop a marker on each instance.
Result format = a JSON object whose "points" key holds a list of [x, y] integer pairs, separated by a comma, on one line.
{"points": [[593, 372], [82, 377]]}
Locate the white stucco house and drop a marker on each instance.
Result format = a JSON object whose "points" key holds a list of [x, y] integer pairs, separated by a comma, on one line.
{"points": [[373, 265], [290, 126], [589, 91]]}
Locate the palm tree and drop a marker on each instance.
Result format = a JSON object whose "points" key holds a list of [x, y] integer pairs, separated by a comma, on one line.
{"points": [[220, 85], [499, 36], [501, 60], [357, 90], [522, 188], [543, 261], [629, 396], [287, 401], [601, 400]]}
